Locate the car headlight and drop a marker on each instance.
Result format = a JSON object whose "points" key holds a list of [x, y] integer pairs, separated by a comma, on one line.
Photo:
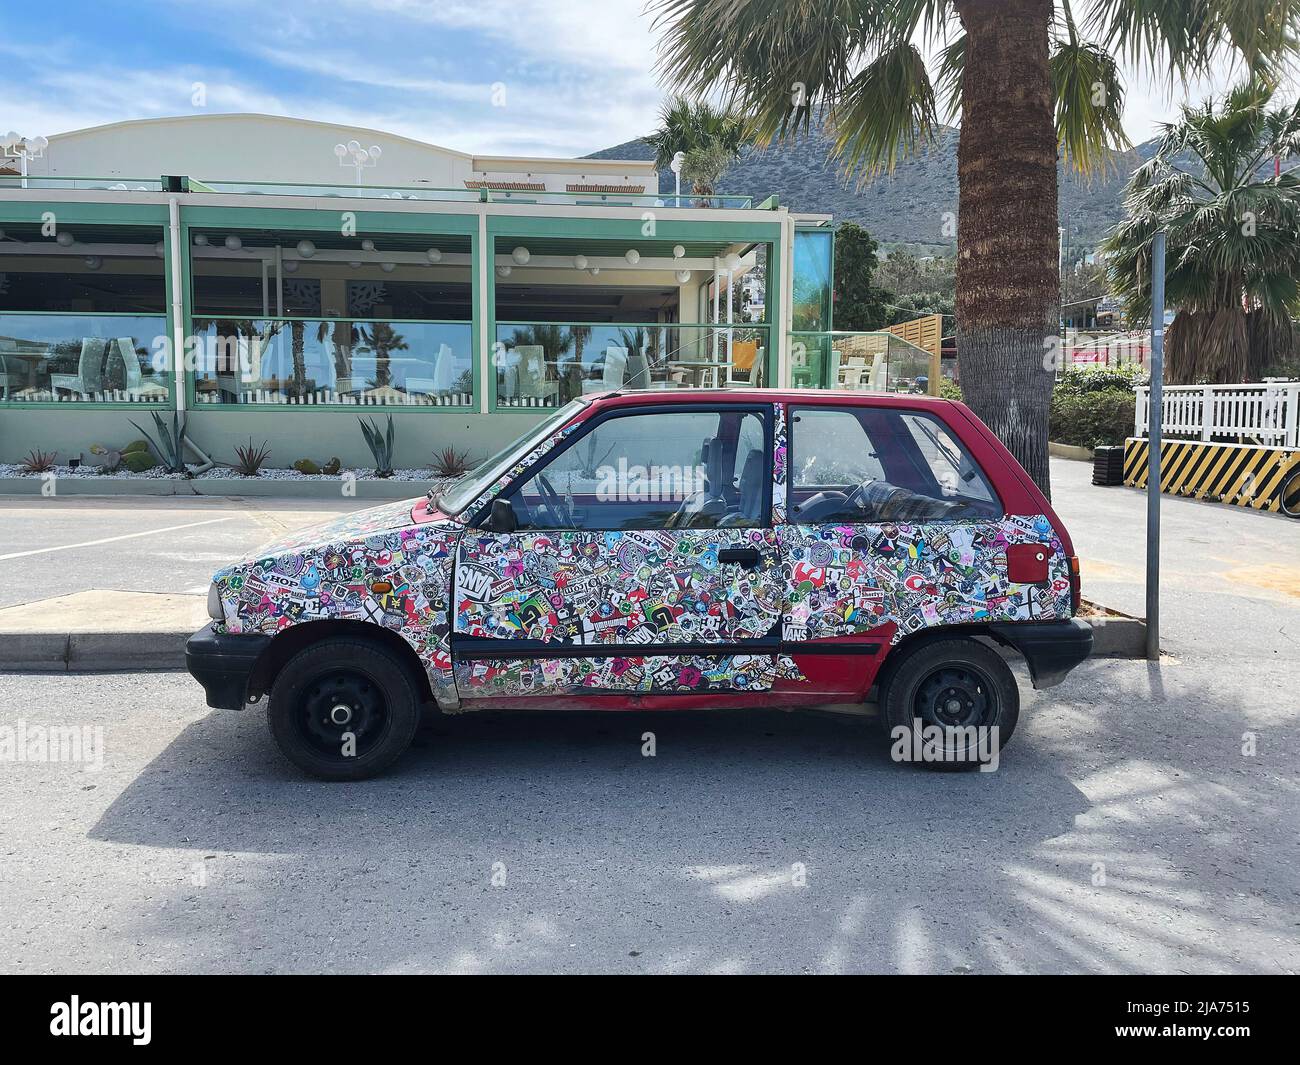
{"points": [[214, 603]]}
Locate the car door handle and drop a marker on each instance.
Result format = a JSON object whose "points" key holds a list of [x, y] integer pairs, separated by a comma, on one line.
{"points": [[744, 556]]}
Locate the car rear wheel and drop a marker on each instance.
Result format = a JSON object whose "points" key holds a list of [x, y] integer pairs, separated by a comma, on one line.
{"points": [[956, 702], [344, 709]]}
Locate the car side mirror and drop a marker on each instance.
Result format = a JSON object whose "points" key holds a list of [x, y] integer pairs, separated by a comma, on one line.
{"points": [[502, 518]]}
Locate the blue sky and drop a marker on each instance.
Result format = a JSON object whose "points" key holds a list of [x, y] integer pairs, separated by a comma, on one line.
{"points": [[569, 78], [535, 77]]}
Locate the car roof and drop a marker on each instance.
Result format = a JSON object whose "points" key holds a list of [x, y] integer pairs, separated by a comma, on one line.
{"points": [[809, 396]]}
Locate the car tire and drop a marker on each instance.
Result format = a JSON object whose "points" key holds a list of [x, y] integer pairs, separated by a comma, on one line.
{"points": [[954, 684], [344, 708]]}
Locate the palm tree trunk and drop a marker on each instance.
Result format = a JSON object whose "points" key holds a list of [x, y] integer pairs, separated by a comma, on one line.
{"points": [[1008, 282]]}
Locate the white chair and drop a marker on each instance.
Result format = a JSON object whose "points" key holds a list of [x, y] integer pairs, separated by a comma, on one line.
{"points": [[878, 375], [444, 375], [90, 371], [123, 348], [638, 374], [612, 372], [533, 385], [9, 378]]}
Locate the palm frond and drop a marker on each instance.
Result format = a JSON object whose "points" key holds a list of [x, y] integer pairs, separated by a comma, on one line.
{"points": [[888, 111], [948, 77], [1180, 37], [780, 62], [1089, 105]]}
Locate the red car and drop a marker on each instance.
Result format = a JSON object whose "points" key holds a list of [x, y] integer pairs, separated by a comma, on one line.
{"points": [[668, 550]]}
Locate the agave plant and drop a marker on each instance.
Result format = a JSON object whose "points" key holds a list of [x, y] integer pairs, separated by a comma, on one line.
{"points": [[170, 444], [38, 462], [249, 458], [448, 462], [380, 444]]}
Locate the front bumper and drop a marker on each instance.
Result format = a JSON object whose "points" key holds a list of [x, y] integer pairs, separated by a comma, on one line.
{"points": [[222, 663], [1051, 648]]}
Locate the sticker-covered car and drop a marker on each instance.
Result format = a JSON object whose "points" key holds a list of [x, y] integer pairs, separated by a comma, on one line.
{"points": [[667, 550]]}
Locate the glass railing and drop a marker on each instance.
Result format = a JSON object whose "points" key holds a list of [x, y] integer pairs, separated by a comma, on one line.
{"points": [[495, 195], [546, 364], [107, 184], [333, 362], [362, 191], [867, 361], [619, 199], [83, 358]]}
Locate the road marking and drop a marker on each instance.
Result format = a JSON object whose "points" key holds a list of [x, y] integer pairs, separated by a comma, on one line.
{"points": [[113, 539]]}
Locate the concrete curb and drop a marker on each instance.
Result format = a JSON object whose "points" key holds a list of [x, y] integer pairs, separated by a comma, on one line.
{"points": [[89, 652], [246, 487], [1069, 451], [1118, 637]]}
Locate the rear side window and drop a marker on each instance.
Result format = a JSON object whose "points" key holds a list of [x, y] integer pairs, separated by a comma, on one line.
{"points": [[875, 464], [955, 473]]}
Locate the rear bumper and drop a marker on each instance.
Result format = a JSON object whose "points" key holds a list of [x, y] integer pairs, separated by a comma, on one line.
{"points": [[222, 663], [1051, 648]]}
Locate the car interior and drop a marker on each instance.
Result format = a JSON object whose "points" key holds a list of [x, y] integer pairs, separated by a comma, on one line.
{"points": [[727, 485], [916, 473]]}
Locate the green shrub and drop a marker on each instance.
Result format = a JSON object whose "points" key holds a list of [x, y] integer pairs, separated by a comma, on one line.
{"points": [[951, 390], [1081, 379], [138, 461], [306, 466], [136, 445], [1091, 418]]}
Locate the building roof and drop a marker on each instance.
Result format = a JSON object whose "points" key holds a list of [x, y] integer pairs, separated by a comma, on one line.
{"points": [[476, 162]]}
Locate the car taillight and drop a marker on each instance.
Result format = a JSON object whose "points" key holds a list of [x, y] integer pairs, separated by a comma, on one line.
{"points": [[1076, 587]]}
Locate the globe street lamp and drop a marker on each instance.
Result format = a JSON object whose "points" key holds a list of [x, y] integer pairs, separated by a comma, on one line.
{"points": [[23, 148], [354, 155]]}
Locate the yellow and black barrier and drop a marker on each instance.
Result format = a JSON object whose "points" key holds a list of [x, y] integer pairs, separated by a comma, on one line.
{"points": [[1245, 475]]}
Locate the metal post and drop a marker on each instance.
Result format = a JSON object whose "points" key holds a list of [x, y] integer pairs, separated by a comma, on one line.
{"points": [[1155, 422]]}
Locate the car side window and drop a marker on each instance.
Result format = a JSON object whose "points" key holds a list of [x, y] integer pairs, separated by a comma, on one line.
{"points": [[956, 473], [653, 470], [876, 464]]}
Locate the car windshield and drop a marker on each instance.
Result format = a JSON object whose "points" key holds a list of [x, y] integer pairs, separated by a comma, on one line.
{"points": [[471, 485]]}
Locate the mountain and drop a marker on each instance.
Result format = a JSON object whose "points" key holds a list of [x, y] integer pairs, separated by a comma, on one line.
{"points": [[907, 206]]}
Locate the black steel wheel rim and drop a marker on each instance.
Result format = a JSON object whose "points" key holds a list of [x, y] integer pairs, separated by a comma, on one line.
{"points": [[341, 704], [956, 697]]}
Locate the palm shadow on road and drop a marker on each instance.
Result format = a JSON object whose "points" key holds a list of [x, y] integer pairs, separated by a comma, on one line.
{"points": [[757, 840]]}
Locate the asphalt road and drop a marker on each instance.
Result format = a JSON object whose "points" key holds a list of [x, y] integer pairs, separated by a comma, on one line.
{"points": [[57, 546], [1128, 828]]}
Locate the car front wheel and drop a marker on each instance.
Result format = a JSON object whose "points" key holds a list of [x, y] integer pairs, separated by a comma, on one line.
{"points": [[344, 709], [949, 704]]}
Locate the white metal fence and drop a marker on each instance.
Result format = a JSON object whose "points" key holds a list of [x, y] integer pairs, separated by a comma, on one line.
{"points": [[1265, 413]]}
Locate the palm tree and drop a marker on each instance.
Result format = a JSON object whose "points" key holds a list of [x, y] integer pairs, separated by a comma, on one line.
{"points": [[381, 340], [710, 138], [704, 166], [1232, 220], [1026, 76]]}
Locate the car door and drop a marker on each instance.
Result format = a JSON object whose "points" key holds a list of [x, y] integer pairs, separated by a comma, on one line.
{"points": [[643, 562], [894, 527]]}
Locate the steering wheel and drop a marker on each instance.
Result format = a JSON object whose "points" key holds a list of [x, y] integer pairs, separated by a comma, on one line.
{"points": [[857, 497], [555, 506]]}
